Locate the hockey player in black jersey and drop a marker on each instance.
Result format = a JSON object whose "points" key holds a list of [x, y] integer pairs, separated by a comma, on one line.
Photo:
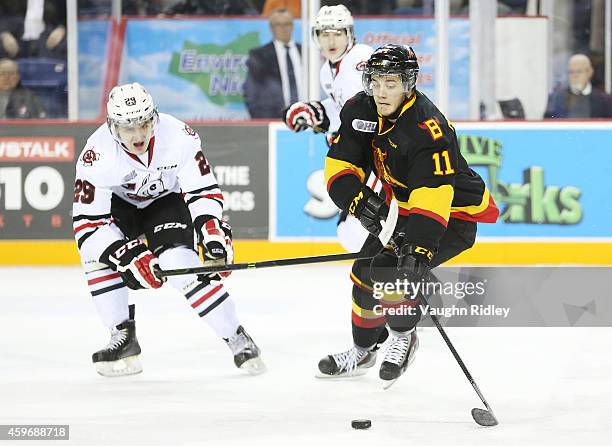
{"points": [[398, 132]]}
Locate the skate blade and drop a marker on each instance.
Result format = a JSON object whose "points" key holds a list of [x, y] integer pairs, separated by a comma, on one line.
{"points": [[388, 384], [255, 366], [353, 374], [122, 367]]}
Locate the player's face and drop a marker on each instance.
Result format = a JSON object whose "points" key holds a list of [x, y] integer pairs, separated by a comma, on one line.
{"points": [[136, 137], [333, 43], [388, 92]]}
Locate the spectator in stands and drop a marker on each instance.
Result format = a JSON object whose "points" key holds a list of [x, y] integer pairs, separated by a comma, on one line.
{"points": [[33, 28], [273, 80], [16, 102], [579, 99], [211, 7], [11, 28]]}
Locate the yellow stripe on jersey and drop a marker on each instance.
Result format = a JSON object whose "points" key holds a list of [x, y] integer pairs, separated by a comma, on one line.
{"points": [[477, 208], [436, 200], [366, 314], [334, 167], [359, 283]]}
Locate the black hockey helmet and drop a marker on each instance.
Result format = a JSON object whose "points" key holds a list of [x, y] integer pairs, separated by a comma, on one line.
{"points": [[392, 59]]}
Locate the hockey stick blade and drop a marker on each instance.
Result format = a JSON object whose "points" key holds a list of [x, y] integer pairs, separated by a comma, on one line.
{"points": [[484, 417], [388, 226]]}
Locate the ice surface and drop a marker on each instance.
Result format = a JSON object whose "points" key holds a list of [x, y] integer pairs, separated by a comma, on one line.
{"points": [[546, 385]]}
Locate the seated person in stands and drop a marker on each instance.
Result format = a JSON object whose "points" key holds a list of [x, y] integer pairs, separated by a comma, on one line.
{"points": [[16, 102], [579, 99]]}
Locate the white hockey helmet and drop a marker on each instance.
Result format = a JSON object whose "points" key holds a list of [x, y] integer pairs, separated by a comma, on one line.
{"points": [[336, 17], [129, 105]]}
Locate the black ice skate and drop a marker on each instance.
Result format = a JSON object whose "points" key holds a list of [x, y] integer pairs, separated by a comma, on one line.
{"points": [[353, 362], [120, 357], [400, 354], [246, 353]]}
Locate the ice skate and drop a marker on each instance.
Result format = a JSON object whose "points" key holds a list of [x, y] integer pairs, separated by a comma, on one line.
{"points": [[246, 353], [353, 362], [121, 355], [400, 354]]}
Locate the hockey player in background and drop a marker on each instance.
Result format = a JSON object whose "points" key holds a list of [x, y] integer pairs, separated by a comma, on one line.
{"points": [[340, 78], [396, 130], [144, 174]]}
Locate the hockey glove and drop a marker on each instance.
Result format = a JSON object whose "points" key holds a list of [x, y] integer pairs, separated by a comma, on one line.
{"points": [[413, 262], [135, 263], [301, 115], [369, 209], [216, 238]]}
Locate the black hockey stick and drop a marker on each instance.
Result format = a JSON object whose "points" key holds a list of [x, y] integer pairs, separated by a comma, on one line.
{"points": [[387, 229], [302, 122], [481, 416], [264, 264]]}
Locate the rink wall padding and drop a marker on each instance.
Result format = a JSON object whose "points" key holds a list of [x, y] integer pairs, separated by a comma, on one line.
{"points": [[553, 212]]}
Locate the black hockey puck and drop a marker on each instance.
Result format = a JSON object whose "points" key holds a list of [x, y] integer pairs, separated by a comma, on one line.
{"points": [[361, 424]]}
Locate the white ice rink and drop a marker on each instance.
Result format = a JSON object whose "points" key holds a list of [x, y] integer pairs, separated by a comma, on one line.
{"points": [[548, 386]]}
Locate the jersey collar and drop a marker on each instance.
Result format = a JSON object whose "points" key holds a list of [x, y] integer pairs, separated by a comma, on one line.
{"points": [[149, 153]]}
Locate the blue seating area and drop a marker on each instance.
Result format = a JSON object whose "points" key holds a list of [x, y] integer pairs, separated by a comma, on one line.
{"points": [[48, 78]]}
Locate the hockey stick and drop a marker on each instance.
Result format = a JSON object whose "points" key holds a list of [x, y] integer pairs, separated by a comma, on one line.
{"points": [[388, 226], [481, 416], [315, 128]]}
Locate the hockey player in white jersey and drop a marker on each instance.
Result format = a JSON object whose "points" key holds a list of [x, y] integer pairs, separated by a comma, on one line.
{"points": [[340, 74], [144, 175], [340, 78]]}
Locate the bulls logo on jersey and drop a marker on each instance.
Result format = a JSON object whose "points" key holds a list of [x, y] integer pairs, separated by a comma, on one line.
{"points": [[151, 187]]}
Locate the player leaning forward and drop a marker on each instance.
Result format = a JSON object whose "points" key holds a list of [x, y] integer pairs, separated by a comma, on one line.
{"points": [[144, 174], [399, 132]]}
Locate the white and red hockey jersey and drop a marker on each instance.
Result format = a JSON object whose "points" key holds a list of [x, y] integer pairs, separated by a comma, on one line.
{"points": [[174, 163], [343, 82]]}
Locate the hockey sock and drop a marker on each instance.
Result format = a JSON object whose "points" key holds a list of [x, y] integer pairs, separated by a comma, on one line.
{"points": [[109, 294], [211, 302]]}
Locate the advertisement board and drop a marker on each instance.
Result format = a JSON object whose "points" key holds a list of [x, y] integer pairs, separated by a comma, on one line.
{"points": [[548, 180], [37, 177], [196, 68]]}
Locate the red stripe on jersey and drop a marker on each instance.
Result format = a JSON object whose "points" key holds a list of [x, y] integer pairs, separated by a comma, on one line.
{"points": [[206, 296], [339, 174], [103, 278], [219, 196], [426, 213], [89, 225], [408, 303], [489, 215], [367, 323]]}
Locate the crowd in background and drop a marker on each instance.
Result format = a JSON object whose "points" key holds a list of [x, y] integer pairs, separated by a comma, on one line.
{"points": [[33, 35]]}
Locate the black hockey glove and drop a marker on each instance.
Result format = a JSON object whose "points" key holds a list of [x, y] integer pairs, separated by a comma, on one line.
{"points": [[413, 262], [134, 262], [369, 209], [216, 239]]}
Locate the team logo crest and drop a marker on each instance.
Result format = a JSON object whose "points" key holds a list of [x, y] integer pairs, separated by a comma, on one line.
{"points": [[379, 157], [89, 157]]}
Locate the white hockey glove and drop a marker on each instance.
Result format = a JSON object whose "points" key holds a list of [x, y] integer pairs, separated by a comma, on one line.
{"points": [[302, 115], [216, 239], [135, 263]]}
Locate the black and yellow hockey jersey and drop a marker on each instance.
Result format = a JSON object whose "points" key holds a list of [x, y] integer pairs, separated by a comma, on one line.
{"points": [[418, 161]]}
